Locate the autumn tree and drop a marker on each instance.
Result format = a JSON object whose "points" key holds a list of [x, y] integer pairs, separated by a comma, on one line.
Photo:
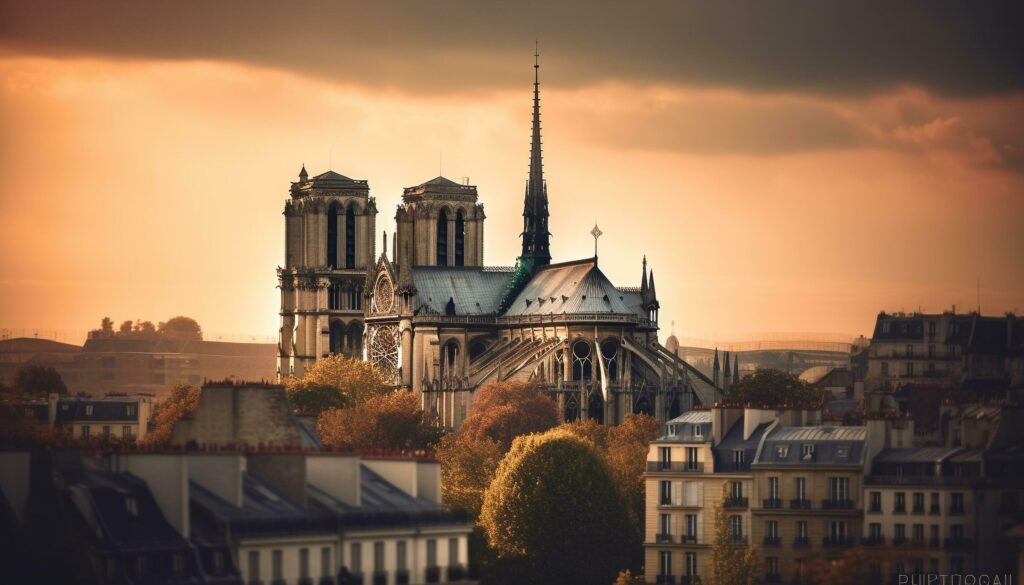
{"points": [[505, 410], [181, 403], [732, 563], [184, 328], [354, 382], [38, 379], [392, 421], [552, 500], [771, 386], [468, 465], [628, 578], [855, 566]]}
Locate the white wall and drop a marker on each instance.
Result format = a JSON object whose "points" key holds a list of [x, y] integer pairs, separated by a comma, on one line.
{"points": [[167, 478], [338, 475]]}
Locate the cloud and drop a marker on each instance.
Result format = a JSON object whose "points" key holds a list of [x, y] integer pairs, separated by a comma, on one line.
{"points": [[826, 48]]}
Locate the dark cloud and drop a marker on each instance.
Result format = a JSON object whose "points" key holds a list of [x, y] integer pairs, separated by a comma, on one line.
{"points": [[951, 48]]}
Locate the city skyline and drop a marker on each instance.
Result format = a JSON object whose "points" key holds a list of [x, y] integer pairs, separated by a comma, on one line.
{"points": [[144, 179]]}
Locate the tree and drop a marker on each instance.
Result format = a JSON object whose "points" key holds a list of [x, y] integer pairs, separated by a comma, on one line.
{"points": [[38, 379], [855, 566], [503, 411], [312, 399], [774, 387], [182, 402], [355, 380], [125, 330], [392, 421], [628, 578], [468, 465], [731, 564], [107, 327], [184, 328], [551, 501]]}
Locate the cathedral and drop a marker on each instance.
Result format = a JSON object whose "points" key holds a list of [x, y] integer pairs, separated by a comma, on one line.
{"points": [[439, 322]]}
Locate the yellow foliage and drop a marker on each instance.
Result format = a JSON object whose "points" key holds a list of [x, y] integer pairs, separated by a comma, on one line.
{"points": [[357, 381]]}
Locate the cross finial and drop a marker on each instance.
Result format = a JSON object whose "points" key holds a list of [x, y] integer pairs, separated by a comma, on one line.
{"points": [[597, 233]]}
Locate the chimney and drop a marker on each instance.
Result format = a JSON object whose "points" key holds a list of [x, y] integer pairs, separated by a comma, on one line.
{"points": [[428, 480], [284, 472], [166, 475], [402, 472], [338, 475], [219, 473]]}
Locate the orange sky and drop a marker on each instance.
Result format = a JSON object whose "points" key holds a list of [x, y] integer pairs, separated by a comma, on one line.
{"points": [[149, 186]]}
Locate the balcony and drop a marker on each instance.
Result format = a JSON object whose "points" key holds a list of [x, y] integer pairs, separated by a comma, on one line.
{"points": [[738, 540], [959, 543], [772, 541], [899, 510], [305, 581], [351, 579], [917, 510], [934, 510], [402, 577], [957, 510], [675, 466], [916, 543], [326, 580], [772, 578], [689, 539], [433, 574], [380, 578], [665, 579], [836, 541], [690, 580], [735, 502], [801, 541], [834, 504], [934, 543], [456, 573], [875, 509], [663, 538], [771, 503], [878, 540], [899, 540], [800, 504]]}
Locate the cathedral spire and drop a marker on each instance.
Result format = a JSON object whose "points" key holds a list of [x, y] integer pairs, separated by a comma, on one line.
{"points": [[535, 205]]}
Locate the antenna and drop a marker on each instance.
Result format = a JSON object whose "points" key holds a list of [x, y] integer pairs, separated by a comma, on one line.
{"points": [[330, 159], [440, 163], [979, 295]]}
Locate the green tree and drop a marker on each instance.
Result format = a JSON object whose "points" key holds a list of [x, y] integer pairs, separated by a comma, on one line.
{"points": [[505, 410], [182, 402], [392, 421], [774, 387], [355, 381], [185, 328], [552, 500], [731, 564], [38, 379], [468, 465]]}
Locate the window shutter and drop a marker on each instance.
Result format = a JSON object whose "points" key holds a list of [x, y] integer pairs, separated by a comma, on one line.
{"points": [[677, 496], [672, 524], [700, 528]]}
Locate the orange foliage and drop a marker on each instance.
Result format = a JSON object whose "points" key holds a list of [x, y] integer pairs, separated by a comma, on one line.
{"points": [[181, 403], [392, 421], [503, 411]]}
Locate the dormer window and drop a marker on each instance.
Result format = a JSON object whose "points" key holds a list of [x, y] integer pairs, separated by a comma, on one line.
{"points": [[782, 452], [130, 410], [698, 431], [132, 506], [671, 430], [806, 452], [843, 452], [88, 410]]}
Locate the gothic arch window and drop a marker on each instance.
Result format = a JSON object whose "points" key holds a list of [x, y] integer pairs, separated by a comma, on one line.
{"points": [[337, 340], [595, 407], [332, 235], [350, 238], [643, 405], [449, 359], [334, 296], [442, 238], [476, 349], [572, 409], [354, 340], [610, 355], [460, 239], [582, 365]]}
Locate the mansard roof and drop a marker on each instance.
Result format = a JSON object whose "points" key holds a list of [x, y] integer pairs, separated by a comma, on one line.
{"points": [[474, 290], [572, 288]]}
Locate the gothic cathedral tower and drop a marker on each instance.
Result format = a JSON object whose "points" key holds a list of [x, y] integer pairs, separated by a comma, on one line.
{"points": [[330, 222]]}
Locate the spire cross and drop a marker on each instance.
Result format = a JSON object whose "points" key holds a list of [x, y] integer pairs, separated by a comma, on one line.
{"points": [[597, 233]]}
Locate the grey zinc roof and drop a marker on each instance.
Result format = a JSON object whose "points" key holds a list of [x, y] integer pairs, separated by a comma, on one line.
{"points": [[577, 287], [684, 427], [832, 445], [915, 454], [724, 452], [475, 291]]}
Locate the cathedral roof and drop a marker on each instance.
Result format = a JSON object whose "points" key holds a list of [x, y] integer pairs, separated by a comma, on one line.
{"points": [[474, 290], [327, 181], [573, 288], [331, 176]]}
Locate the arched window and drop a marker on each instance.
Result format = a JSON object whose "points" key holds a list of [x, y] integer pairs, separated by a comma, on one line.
{"points": [[449, 359], [610, 354], [581, 360], [572, 409], [354, 340], [442, 238], [350, 238], [332, 235], [337, 342], [595, 408], [643, 405], [476, 349], [460, 239]]}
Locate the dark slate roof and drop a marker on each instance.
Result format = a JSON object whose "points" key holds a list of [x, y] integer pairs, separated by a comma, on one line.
{"points": [[113, 409], [263, 510], [915, 455], [684, 427], [474, 290], [989, 335], [35, 410], [577, 287], [724, 452], [899, 327], [829, 444]]}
